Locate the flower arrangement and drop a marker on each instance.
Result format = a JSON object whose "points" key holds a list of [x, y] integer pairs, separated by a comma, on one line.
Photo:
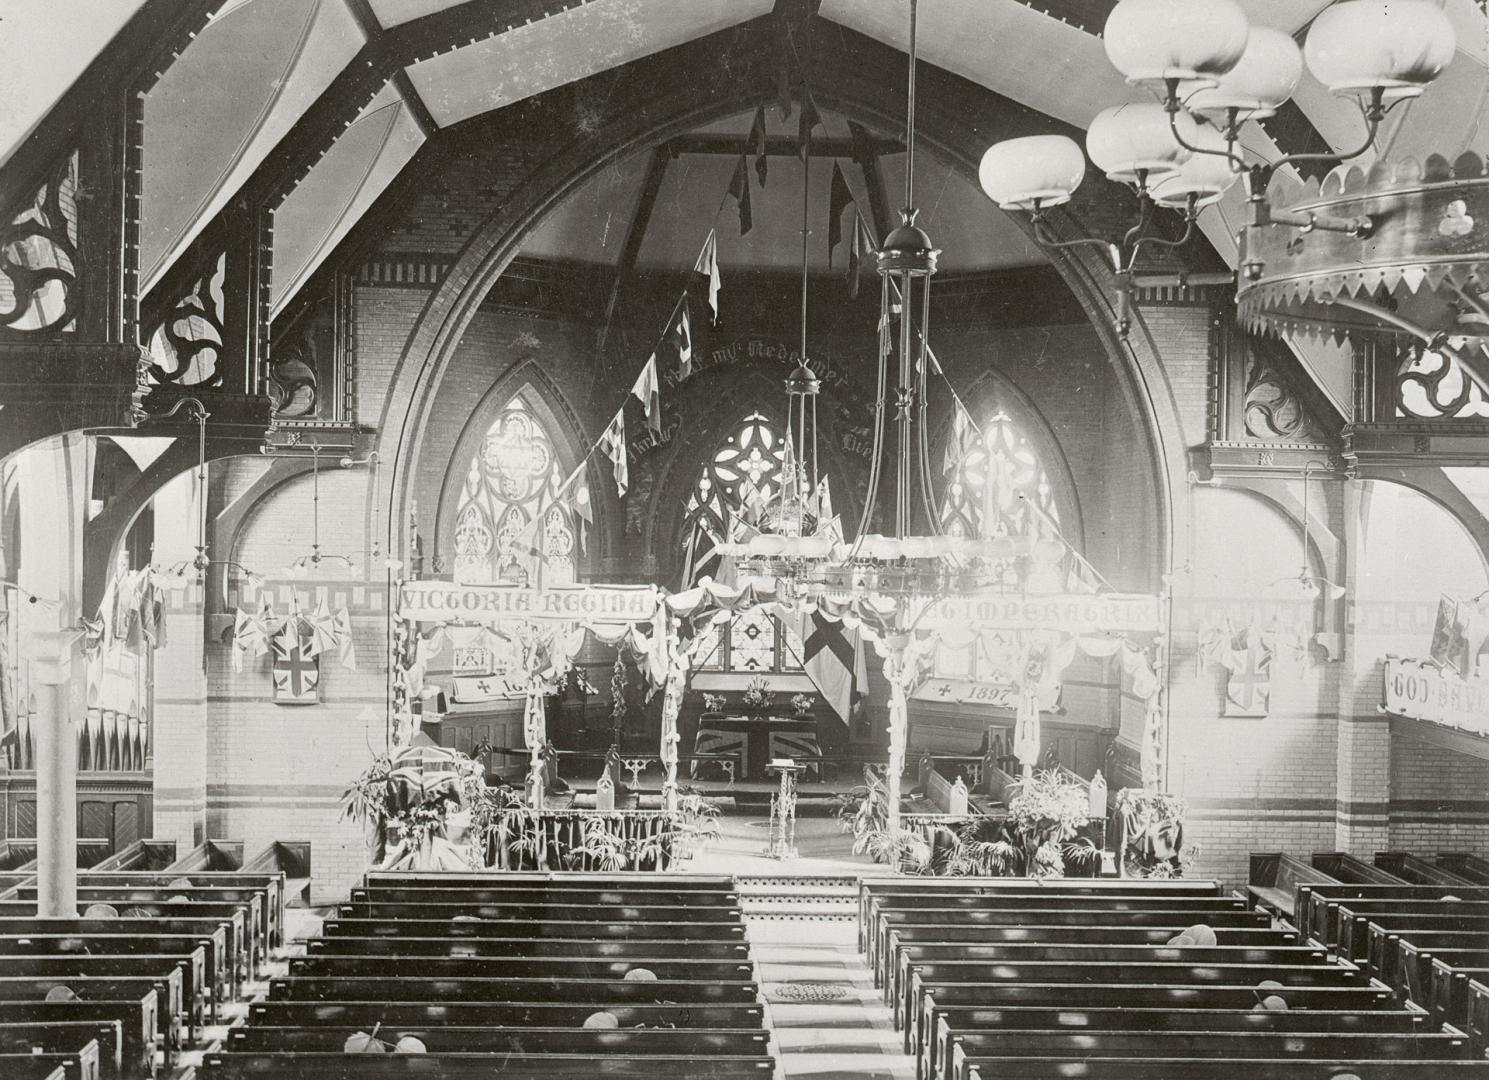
{"points": [[1153, 834], [802, 703], [713, 703], [757, 695]]}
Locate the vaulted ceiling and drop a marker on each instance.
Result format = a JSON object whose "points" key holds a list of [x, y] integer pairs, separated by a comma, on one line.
{"points": [[395, 72]]}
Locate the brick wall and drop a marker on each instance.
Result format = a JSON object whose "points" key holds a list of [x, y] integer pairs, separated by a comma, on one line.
{"points": [[1439, 799]]}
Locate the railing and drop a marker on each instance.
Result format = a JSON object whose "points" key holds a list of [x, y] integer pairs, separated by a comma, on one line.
{"points": [[585, 840]]}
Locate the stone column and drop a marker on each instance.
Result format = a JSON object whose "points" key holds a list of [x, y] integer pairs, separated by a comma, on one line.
{"points": [[56, 776]]}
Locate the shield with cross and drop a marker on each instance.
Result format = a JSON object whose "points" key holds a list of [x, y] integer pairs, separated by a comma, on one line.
{"points": [[1248, 689], [297, 676]]}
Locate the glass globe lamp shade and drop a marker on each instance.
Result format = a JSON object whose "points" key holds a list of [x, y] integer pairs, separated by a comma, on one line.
{"points": [[1267, 75], [1397, 45], [1129, 141], [1205, 176], [1193, 40], [1032, 172]]}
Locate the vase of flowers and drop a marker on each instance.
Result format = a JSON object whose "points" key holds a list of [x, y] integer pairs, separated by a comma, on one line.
{"points": [[801, 704], [713, 703], [757, 696]]}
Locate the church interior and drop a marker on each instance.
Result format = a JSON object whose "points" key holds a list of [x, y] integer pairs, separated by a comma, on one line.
{"points": [[722, 538]]}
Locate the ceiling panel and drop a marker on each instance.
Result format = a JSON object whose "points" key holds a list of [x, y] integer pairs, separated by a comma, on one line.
{"points": [[564, 48], [221, 107], [393, 12], [44, 47], [341, 187]]}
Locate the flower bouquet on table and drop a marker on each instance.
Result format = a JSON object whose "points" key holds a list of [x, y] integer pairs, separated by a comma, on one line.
{"points": [[713, 703], [757, 696], [801, 704]]}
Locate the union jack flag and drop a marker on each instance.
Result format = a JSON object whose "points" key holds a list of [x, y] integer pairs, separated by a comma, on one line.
{"points": [[297, 675]]}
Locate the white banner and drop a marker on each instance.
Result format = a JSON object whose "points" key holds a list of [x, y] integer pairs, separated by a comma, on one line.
{"points": [[1419, 690], [988, 694], [446, 601], [470, 688], [1068, 613]]}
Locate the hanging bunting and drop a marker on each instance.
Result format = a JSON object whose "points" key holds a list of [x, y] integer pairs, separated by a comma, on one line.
{"points": [[862, 244], [680, 337], [345, 643], [322, 630], [575, 496], [708, 266], [613, 445], [757, 145], [839, 199], [648, 391], [824, 500], [739, 187], [962, 430], [808, 122]]}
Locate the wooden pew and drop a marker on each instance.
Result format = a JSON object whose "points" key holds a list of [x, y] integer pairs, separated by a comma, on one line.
{"points": [[1345, 867], [137, 1017], [1354, 925], [166, 985], [870, 889], [952, 1020], [1478, 1015], [1413, 974], [418, 989], [144, 855], [222, 1065], [1217, 917], [1273, 880], [247, 945], [1386, 960], [521, 967], [213, 946], [387, 945], [351, 923], [288, 859], [919, 979], [1002, 1046], [211, 855], [1470, 867], [272, 886], [1076, 996], [523, 1040], [60, 1036], [1213, 1069], [90, 850], [372, 907], [122, 896], [190, 967], [79, 1063], [710, 898], [1417, 870], [1321, 902], [551, 880], [1449, 998], [352, 1015], [224, 938]]}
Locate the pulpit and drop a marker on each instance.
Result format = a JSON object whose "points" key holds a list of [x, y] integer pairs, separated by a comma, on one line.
{"points": [[757, 740]]}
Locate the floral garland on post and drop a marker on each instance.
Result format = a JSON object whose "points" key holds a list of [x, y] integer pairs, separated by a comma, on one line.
{"points": [[1153, 835], [618, 683]]}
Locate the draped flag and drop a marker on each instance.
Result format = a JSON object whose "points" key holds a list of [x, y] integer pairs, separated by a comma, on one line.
{"points": [[297, 674], [322, 628], [528, 541], [648, 391], [861, 244], [1449, 638], [806, 124], [346, 645], [613, 446], [839, 199], [708, 266], [1248, 689], [833, 657], [575, 495], [824, 500], [680, 337], [962, 433], [757, 145], [739, 187]]}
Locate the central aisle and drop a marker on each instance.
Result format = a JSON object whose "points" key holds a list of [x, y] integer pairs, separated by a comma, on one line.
{"points": [[827, 1019]]}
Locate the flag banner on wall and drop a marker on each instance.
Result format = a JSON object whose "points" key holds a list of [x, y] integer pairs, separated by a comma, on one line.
{"points": [[739, 187], [648, 391], [1248, 686], [833, 657], [839, 198], [708, 266], [297, 674], [613, 446], [757, 145], [680, 337], [1449, 636]]}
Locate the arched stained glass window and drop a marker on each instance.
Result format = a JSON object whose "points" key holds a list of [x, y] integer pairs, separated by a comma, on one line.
{"points": [[994, 468], [740, 479], [507, 513]]}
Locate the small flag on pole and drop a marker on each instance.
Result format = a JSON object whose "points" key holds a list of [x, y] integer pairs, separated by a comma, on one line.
{"points": [[961, 436], [575, 495], [739, 187], [613, 446], [648, 391], [806, 124], [680, 336], [839, 199], [757, 145], [708, 266], [862, 244]]}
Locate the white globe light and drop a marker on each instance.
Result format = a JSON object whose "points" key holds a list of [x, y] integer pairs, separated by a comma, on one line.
{"points": [[1031, 172], [1205, 176], [1152, 40], [1127, 141], [1267, 75], [1397, 45]]}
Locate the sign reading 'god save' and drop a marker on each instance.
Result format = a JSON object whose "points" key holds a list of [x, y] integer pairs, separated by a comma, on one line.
{"points": [[1420, 690], [448, 601], [1071, 613]]}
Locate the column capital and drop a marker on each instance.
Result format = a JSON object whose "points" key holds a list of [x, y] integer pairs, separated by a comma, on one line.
{"points": [[51, 655]]}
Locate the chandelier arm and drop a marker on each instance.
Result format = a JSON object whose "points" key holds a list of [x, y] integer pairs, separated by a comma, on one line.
{"points": [[1173, 108]]}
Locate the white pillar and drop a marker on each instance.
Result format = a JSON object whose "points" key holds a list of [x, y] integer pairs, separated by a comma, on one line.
{"points": [[56, 776]]}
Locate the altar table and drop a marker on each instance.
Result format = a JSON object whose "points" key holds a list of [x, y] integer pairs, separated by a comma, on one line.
{"points": [[758, 739]]}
